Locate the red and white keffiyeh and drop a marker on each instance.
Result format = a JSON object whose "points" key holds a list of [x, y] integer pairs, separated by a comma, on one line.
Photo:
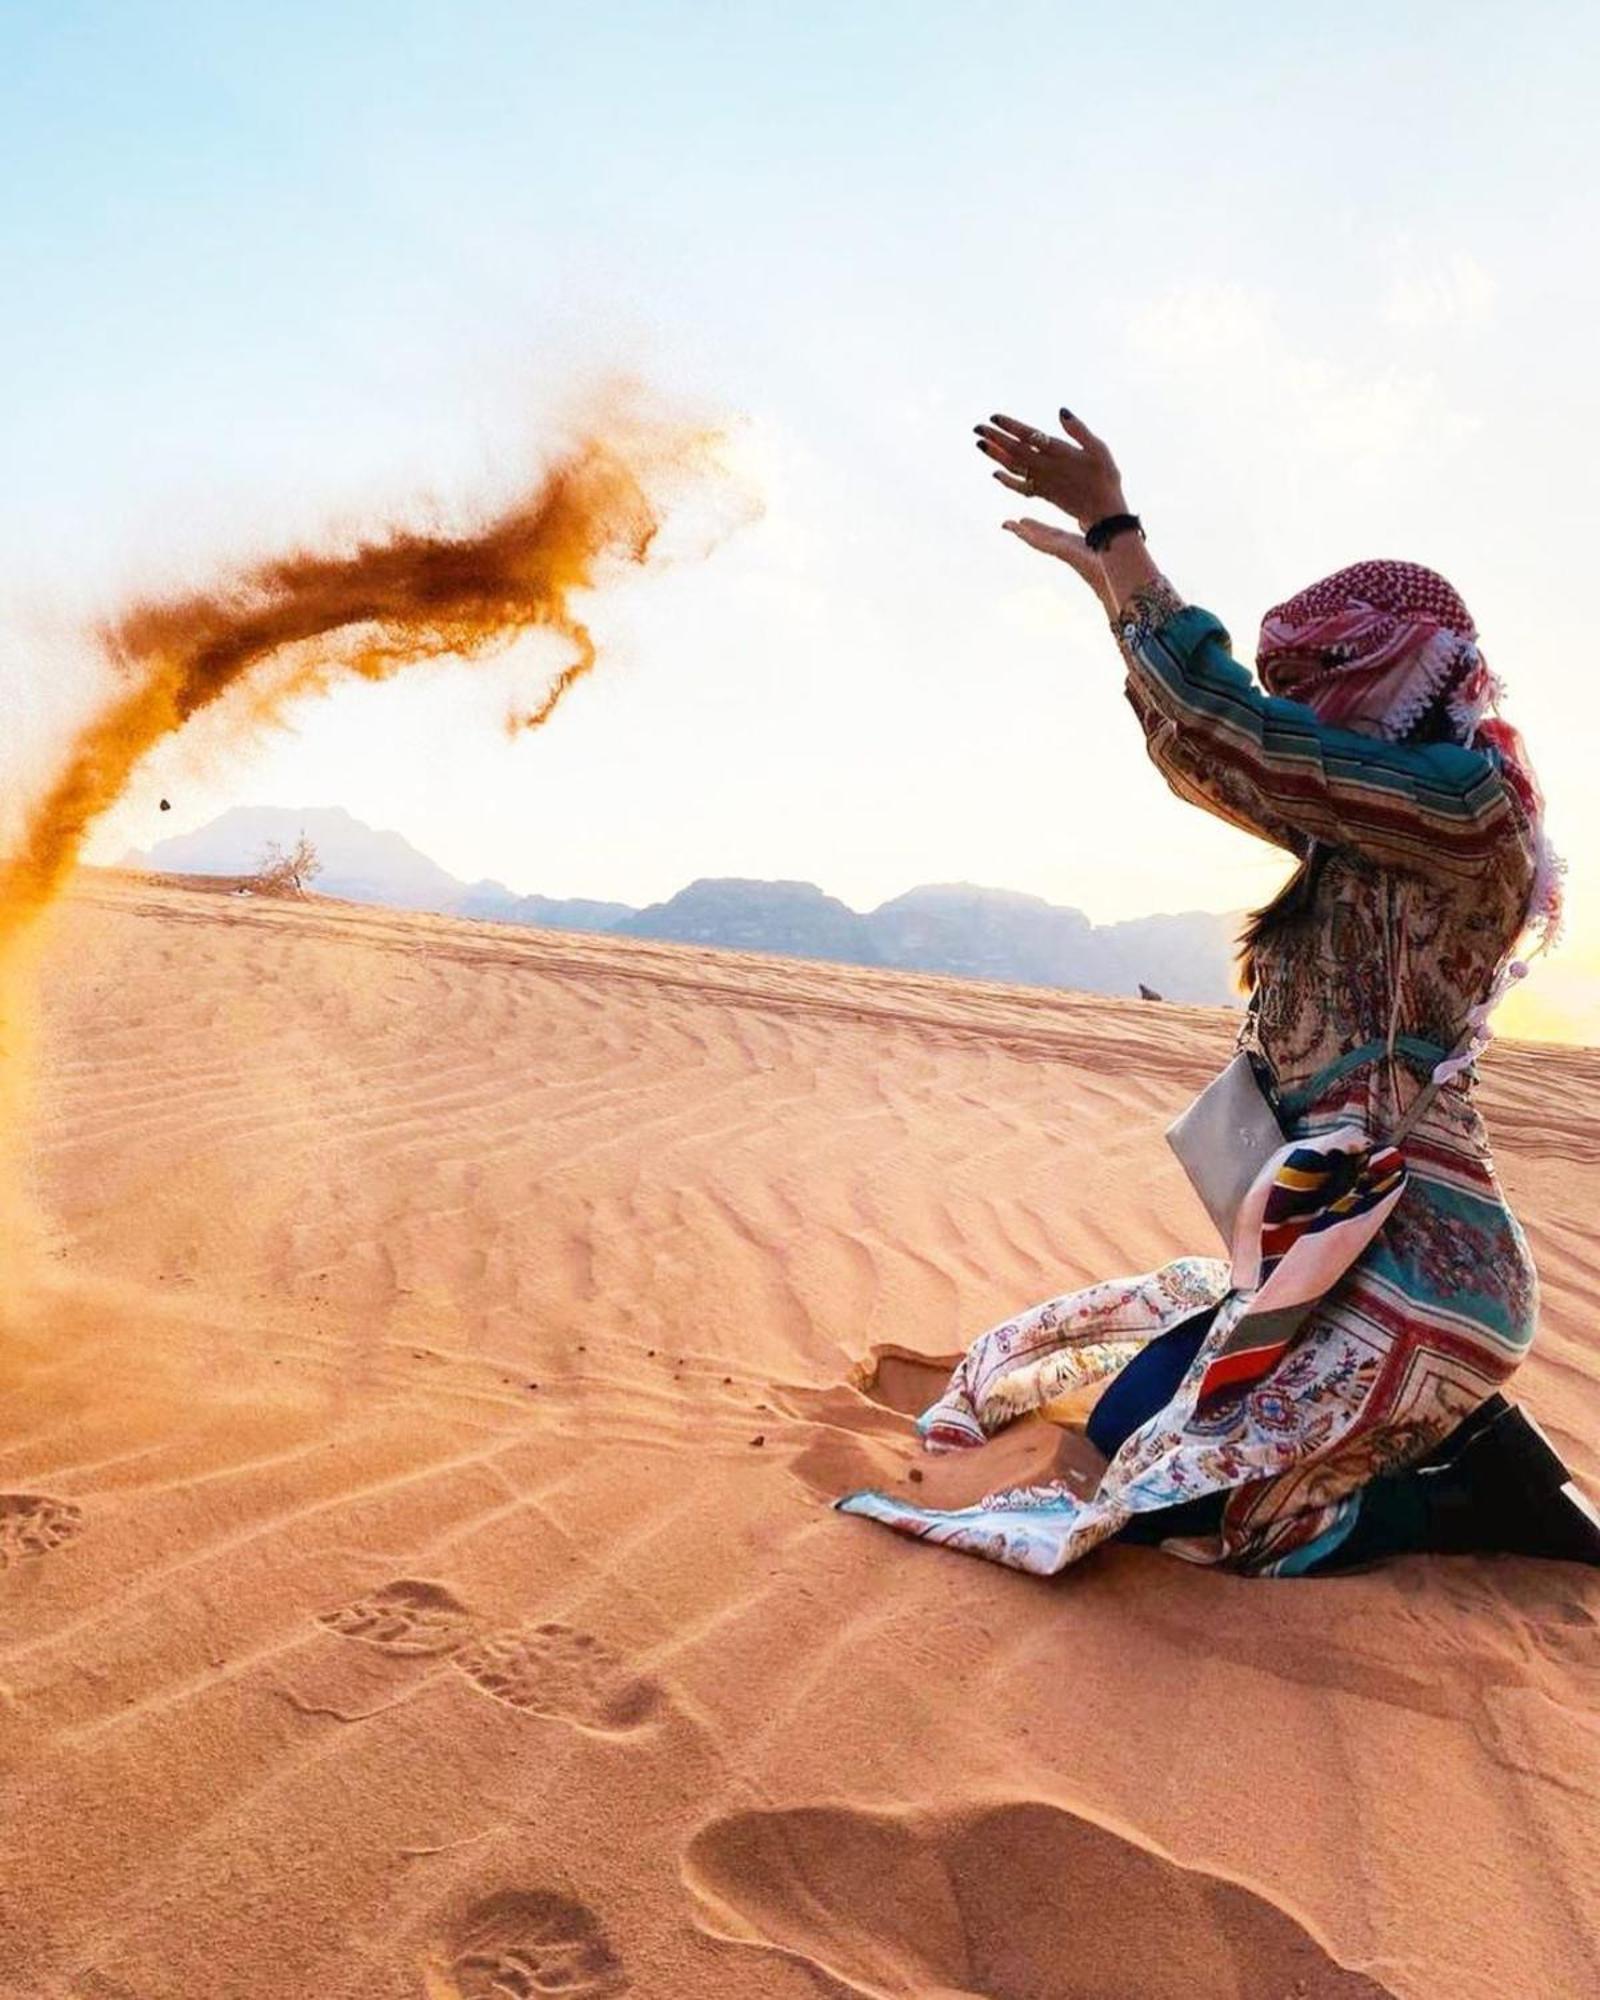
{"points": [[1390, 648]]}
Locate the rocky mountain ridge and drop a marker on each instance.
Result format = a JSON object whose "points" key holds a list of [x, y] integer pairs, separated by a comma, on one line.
{"points": [[958, 928]]}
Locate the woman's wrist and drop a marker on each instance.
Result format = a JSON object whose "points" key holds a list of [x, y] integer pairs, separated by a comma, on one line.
{"points": [[1103, 506], [1127, 565]]}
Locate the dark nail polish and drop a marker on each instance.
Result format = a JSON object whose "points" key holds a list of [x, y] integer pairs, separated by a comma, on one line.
{"points": [[1066, 415]]}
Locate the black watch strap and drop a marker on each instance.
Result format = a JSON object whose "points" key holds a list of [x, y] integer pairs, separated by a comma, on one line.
{"points": [[1103, 533]]}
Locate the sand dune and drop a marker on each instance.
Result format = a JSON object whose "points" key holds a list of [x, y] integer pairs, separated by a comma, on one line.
{"points": [[415, 1569]]}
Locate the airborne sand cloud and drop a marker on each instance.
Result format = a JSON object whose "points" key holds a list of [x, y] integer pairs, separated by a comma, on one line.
{"points": [[281, 630]]}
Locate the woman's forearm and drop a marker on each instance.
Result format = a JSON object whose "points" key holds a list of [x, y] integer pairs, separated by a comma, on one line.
{"points": [[1127, 566]]}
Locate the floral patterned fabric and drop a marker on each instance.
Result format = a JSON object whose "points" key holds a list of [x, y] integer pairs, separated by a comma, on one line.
{"points": [[1425, 864]]}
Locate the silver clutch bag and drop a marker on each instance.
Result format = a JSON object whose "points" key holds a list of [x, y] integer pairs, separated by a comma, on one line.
{"points": [[1225, 1138]]}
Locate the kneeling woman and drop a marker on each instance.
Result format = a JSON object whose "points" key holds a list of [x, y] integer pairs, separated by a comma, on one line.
{"points": [[1416, 821]]}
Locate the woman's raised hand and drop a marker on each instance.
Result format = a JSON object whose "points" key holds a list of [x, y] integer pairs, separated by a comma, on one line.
{"points": [[1069, 548], [1075, 472]]}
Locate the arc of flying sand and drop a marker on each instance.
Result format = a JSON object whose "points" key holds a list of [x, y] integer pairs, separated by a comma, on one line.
{"points": [[295, 626]]}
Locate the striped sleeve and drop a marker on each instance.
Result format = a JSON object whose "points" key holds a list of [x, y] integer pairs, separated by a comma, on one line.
{"points": [[1270, 766]]}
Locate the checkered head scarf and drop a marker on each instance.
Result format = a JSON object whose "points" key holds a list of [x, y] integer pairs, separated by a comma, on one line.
{"points": [[1389, 648]]}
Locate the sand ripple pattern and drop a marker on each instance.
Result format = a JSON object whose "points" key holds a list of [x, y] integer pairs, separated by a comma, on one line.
{"points": [[435, 1629]]}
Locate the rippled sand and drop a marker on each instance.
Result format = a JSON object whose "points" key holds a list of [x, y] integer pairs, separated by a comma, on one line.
{"points": [[415, 1569]]}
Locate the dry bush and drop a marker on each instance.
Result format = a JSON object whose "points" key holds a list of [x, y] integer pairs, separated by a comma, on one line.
{"points": [[286, 871]]}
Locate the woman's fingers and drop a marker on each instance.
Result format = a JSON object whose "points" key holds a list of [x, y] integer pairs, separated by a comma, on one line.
{"points": [[1029, 475], [1075, 473], [1093, 447], [1007, 450], [1020, 458], [1020, 469], [1013, 434], [1028, 435], [1033, 477], [1071, 549], [1007, 432], [1015, 465], [1037, 534]]}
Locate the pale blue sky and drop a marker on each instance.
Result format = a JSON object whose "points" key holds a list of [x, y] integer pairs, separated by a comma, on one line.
{"points": [[1326, 280]]}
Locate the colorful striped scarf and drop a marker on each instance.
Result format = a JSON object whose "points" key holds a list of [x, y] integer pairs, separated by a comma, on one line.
{"points": [[1312, 1210]]}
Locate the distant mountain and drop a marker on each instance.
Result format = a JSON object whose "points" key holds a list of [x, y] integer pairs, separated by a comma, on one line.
{"points": [[957, 928], [985, 934], [1187, 956], [358, 861], [490, 903], [793, 918], [1001, 934], [364, 865]]}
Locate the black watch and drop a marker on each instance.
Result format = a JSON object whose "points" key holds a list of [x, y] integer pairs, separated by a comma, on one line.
{"points": [[1103, 533]]}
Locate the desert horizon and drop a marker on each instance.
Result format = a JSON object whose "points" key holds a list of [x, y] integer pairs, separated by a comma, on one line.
{"points": [[967, 928]]}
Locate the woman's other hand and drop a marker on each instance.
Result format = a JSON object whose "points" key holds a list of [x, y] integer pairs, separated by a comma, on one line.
{"points": [[1069, 548], [1075, 473]]}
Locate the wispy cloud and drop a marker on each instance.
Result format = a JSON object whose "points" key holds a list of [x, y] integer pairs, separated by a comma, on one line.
{"points": [[1196, 334], [1428, 293]]}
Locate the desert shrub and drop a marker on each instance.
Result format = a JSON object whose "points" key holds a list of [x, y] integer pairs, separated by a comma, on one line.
{"points": [[287, 871]]}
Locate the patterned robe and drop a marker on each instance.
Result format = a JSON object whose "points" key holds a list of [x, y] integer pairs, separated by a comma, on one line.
{"points": [[1425, 866]]}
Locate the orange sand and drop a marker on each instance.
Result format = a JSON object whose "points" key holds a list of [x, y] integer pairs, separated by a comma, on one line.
{"points": [[395, 1598]]}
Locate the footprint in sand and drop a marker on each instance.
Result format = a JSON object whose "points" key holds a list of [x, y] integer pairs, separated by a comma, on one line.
{"points": [[556, 1671], [32, 1524], [406, 1616], [545, 1669], [518, 1945], [1020, 1901]]}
